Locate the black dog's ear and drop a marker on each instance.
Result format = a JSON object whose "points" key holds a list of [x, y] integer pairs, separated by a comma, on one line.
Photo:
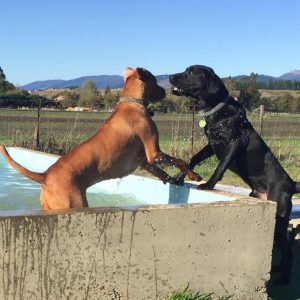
{"points": [[214, 82]]}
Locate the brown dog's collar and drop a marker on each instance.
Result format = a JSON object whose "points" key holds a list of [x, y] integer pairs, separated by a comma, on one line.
{"points": [[216, 108], [131, 99], [147, 104]]}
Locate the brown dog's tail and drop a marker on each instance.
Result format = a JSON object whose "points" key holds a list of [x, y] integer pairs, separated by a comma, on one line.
{"points": [[38, 177]]}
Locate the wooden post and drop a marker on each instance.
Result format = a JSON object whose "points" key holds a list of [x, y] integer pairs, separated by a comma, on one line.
{"points": [[37, 128], [193, 129], [261, 115]]}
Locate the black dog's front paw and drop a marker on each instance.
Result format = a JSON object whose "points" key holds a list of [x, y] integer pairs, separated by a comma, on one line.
{"points": [[179, 178], [205, 186], [176, 180]]}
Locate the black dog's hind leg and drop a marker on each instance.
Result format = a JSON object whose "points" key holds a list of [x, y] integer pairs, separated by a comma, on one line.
{"points": [[284, 207], [285, 265]]}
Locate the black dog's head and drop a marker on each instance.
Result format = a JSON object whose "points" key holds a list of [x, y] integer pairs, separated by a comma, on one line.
{"points": [[201, 83]]}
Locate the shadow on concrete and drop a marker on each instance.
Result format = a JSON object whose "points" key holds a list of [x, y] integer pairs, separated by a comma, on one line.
{"points": [[292, 291]]}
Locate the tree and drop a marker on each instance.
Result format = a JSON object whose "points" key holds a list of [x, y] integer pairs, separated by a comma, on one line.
{"points": [[70, 99], [110, 99], [249, 94], [89, 96], [5, 86], [230, 84], [2, 75]]}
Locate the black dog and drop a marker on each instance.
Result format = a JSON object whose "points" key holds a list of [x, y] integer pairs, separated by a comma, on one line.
{"points": [[240, 149]]}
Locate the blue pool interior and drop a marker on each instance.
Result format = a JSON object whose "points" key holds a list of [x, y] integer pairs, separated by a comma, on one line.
{"points": [[20, 193]]}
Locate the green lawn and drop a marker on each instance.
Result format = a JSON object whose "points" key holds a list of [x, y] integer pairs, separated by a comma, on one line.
{"points": [[60, 131]]}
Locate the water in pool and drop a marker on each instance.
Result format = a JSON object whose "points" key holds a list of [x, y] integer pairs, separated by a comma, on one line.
{"points": [[19, 193]]}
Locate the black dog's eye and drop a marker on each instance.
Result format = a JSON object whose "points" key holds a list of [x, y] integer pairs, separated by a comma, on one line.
{"points": [[191, 72]]}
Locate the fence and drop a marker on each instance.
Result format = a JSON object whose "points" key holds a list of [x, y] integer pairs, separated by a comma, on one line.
{"points": [[180, 133]]}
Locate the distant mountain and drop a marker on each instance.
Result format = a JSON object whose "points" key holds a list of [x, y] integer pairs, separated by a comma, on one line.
{"points": [[163, 81], [116, 81], [42, 85], [101, 81], [293, 76], [265, 78], [260, 78]]}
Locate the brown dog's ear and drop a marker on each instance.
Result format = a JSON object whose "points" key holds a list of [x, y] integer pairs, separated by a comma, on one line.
{"points": [[128, 72], [143, 73]]}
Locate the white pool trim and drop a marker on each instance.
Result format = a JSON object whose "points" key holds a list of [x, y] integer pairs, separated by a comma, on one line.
{"points": [[149, 190]]}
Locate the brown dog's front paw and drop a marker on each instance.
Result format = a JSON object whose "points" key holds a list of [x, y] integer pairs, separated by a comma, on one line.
{"points": [[194, 176]]}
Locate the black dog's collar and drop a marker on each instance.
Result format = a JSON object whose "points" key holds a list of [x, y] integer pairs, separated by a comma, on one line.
{"points": [[216, 108], [147, 104]]}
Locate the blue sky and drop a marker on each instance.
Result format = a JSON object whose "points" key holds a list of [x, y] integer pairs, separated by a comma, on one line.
{"points": [[44, 39]]}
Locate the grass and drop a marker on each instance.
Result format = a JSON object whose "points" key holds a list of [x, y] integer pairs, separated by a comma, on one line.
{"points": [[186, 294], [60, 131], [279, 93]]}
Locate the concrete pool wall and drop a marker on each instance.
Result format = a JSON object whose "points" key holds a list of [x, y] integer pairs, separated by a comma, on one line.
{"points": [[141, 252]]}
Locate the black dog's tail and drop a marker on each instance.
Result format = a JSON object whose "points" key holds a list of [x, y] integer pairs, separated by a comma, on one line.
{"points": [[297, 187]]}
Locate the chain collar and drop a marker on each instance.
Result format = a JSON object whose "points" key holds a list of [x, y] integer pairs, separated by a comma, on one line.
{"points": [[216, 108]]}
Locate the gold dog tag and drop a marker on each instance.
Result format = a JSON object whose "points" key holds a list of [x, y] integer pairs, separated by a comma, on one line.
{"points": [[202, 123]]}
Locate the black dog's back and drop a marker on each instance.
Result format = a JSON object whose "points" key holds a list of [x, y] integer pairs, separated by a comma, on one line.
{"points": [[254, 162]]}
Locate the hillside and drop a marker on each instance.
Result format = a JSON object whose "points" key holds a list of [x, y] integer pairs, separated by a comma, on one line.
{"points": [[116, 81]]}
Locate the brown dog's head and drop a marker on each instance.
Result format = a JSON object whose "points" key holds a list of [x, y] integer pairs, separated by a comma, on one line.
{"points": [[201, 83], [141, 84]]}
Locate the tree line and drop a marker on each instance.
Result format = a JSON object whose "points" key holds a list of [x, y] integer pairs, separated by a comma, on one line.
{"points": [[89, 96], [12, 97], [279, 85], [246, 90]]}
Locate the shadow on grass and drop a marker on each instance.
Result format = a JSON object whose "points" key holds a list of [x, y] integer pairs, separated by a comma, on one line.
{"points": [[292, 291]]}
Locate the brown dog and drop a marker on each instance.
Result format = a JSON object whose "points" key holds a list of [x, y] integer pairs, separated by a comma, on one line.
{"points": [[127, 140]]}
